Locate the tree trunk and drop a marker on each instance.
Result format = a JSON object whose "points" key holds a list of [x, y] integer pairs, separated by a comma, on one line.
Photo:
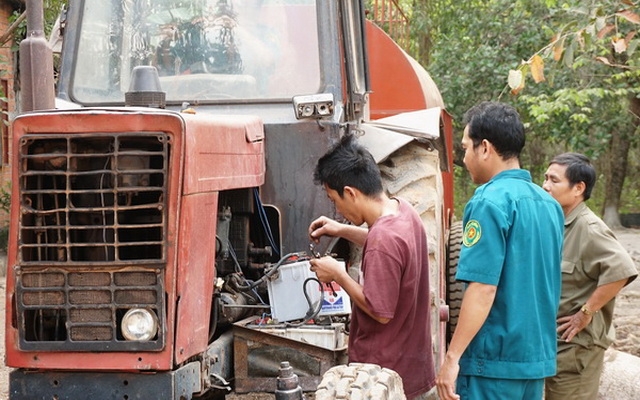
{"points": [[617, 171], [421, 37]]}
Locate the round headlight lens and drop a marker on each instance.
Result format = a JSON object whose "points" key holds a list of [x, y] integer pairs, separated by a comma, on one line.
{"points": [[139, 324]]}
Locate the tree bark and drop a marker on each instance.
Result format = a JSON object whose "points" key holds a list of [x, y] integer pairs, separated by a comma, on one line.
{"points": [[421, 38], [617, 171]]}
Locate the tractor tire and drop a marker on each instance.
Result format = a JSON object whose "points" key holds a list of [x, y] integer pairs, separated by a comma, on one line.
{"points": [[413, 174], [358, 381], [455, 289]]}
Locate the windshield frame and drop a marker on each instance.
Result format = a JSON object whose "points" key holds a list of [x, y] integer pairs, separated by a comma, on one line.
{"points": [[70, 76]]}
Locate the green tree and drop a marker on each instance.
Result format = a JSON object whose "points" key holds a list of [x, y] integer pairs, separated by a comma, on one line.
{"points": [[583, 50], [474, 44], [51, 11], [595, 103]]}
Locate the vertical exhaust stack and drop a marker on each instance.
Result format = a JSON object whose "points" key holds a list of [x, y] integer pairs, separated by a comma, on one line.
{"points": [[36, 63]]}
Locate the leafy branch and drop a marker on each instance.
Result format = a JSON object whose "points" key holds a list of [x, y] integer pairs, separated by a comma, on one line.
{"points": [[590, 38], [5, 198]]}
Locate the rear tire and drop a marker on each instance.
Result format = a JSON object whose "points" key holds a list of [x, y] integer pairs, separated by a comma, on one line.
{"points": [[455, 289], [413, 174], [358, 381]]}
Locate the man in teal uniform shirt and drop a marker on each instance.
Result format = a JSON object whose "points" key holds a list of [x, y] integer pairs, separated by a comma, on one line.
{"points": [[505, 342]]}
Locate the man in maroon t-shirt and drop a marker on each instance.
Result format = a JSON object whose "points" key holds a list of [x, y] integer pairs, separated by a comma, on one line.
{"points": [[390, 321]]}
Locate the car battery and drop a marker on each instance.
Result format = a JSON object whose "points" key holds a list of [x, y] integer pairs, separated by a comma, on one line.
{"points": [[287, 287]]}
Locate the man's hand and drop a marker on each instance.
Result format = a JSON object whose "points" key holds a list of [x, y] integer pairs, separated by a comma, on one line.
{"points": [[571, 325], [476, 303], [446, 380], [323, 226], [327, 269]]}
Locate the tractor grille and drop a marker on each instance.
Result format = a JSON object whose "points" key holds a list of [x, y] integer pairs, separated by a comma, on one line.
{"points": [[80, 309], [93, 199], [92, 238]]}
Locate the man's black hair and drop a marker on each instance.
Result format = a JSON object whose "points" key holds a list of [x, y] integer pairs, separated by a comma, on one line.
{"points": [[499, 124], [349, 164], [579, 169]]}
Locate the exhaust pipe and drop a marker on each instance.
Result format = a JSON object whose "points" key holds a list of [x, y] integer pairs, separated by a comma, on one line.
{"points": [[36, 63]]}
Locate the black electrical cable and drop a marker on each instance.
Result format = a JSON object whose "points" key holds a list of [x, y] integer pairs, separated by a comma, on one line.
{"points": [[312, 313], [234, 256], [265, 221], [269, 273]]}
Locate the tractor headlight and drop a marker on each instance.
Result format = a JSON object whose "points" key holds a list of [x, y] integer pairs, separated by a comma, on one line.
{"points": [[139, 324], [313, 106]]}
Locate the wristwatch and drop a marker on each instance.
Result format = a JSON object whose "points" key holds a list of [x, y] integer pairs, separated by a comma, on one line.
{"points": [[585, 310]]}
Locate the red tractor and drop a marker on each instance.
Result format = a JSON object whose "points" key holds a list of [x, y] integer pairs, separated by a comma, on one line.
{"points": [[156, 199]]}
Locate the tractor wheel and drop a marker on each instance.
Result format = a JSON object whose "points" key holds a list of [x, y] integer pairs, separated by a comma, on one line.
{"points": [[413, 174], [455, 289], [358, 381]]}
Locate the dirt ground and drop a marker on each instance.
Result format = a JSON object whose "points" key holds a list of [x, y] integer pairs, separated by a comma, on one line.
{"points": [[627, 309], [626, 319]]}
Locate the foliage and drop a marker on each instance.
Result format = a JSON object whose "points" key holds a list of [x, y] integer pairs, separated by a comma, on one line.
{"points": [[51, 10], [5, 205], [593, 57], [475, 43], [5, 199], [595, 103], [20, 32], [583, 34], [583, 51]]}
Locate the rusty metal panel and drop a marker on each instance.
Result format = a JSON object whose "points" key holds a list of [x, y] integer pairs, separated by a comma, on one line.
{"points": [[257, 358], [223, 153], [96, 234], [179, 384], [79, 309], [195, 274]]}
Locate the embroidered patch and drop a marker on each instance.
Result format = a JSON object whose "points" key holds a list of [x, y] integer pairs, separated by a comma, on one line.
{"points": [[472, 233]]}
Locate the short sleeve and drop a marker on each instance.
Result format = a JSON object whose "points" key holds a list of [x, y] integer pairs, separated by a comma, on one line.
{"points": [[605, 258], [483, 244]]}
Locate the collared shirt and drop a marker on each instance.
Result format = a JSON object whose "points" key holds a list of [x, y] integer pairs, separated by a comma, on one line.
{"points": [[592, 257], [513, 240]]}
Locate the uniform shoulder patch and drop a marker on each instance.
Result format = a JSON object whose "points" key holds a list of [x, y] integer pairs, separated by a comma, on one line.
{"points": [[472, 233]]}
